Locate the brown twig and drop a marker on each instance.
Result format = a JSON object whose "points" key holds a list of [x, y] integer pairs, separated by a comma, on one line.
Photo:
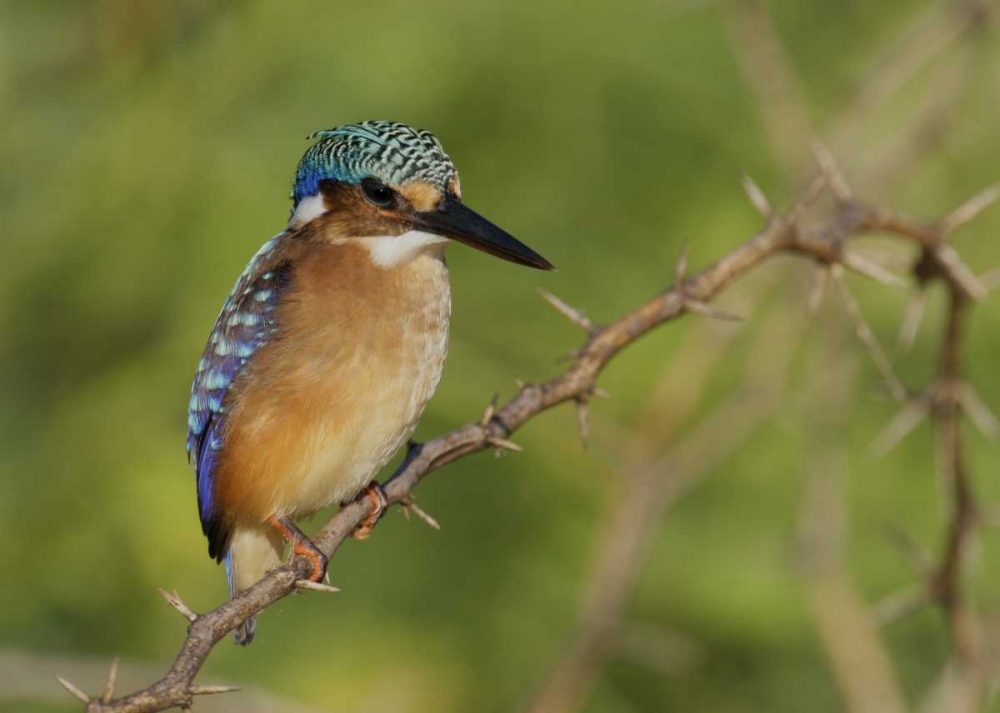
{"points": [[962, 685], [964, 518], [767, 69], [780, 235]]}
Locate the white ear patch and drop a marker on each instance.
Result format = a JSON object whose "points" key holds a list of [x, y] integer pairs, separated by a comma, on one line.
{"points": [[307, 209], [392, 250]]}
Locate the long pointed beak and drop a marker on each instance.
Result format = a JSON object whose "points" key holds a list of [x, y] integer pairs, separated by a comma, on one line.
{"points": [[454, 220]]}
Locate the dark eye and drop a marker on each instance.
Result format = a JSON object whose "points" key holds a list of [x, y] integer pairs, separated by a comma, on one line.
{"points": [[377, 192]]}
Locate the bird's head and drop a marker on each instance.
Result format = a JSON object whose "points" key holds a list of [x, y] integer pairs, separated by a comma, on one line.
{"points": [[395, 187]]}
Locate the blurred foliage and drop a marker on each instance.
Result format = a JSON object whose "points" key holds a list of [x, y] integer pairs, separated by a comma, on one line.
{"points": [[147, 151]]}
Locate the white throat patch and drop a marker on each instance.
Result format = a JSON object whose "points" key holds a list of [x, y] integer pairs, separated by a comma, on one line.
{"points": [[392, 250], [307, 209]]}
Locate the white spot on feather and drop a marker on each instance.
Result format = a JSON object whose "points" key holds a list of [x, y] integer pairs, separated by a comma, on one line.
{"points": [[307, 209]]}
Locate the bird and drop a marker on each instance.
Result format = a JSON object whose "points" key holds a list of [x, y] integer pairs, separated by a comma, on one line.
{"points": [[331, 343]]}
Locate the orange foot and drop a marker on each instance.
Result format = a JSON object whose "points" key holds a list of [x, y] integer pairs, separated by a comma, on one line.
{"points": [[376, 496], [301, 546]]}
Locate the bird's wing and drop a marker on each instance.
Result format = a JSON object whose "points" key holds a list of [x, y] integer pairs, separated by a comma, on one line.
{"points": [[246, 323]]}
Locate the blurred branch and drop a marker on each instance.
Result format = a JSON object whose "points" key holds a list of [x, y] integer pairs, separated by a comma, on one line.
{"points": [[848, 632], [964, 680], [781, 234], [770, 75], [928, 126], [768, 72], [930, 36]]}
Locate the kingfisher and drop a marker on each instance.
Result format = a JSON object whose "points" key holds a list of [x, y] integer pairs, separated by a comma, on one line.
{"points": [[330, 345]]}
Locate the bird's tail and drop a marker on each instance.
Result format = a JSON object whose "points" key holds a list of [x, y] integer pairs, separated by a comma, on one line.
{"points": [[253, 552]]}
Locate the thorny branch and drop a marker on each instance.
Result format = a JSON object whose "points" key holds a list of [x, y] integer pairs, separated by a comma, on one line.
{"points": [[783, 233], [944, 401], [947, 581], [770, 76]]}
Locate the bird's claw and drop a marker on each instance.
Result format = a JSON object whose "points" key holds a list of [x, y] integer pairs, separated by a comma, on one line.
{"points": [[301, 546], [379, 502], [318, 560]]}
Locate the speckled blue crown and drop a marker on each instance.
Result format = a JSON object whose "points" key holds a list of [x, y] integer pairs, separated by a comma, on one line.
{"points": [[392, 152]]}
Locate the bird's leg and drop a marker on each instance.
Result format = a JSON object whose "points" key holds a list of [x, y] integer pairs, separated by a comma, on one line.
{"points": [[378, 500], [301, 545]]}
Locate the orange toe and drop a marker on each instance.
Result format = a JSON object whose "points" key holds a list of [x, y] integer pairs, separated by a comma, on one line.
{"points": [[376, 495], [301, 546], [316, 558]]}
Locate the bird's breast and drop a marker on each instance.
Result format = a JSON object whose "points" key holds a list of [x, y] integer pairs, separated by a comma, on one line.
{"points": [[360, 353]]}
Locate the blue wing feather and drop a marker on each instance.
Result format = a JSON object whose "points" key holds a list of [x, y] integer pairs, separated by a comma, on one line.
{"points": [[246, 323]]}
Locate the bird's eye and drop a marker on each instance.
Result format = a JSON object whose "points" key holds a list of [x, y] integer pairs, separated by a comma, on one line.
{"points": [[377, 192]]}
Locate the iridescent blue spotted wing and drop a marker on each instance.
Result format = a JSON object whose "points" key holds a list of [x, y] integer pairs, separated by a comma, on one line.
{"points": [[246, 323]]}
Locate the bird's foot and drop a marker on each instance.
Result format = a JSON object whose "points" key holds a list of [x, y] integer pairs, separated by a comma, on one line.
{"points": [[305, 548], [376, 496], [302, 546]]}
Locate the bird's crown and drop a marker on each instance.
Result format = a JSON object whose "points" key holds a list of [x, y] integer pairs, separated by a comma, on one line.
{"points": [[392, 152]]}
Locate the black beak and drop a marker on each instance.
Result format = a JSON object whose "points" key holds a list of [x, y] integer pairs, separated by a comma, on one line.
{"points": [[454, 220]]}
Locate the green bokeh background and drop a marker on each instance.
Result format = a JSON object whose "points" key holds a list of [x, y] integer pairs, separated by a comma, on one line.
{"points": [[147, 149]]}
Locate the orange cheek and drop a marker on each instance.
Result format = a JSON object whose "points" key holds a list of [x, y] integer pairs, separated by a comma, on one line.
{"points": [[422, 196]]}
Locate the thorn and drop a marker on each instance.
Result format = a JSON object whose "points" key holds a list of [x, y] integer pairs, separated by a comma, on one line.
{"points": [[571, 355], [962, 275], [990, 279], [867, 337], [306, 584], [212, 690], [970, 209], [872, 270], [583, 421], [813, 191], [756, 196], [600, 393], [818, 288], [901, 604], [920, 561], [979, 413], [174, 600], [109, 687], [520, 383], [989, 515], [828, 166], [901, 425], [491, 407], [409, 505], [680, 270], [503, 444], [573, 315], [912, 316], [73, 690], [707, 310]]}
